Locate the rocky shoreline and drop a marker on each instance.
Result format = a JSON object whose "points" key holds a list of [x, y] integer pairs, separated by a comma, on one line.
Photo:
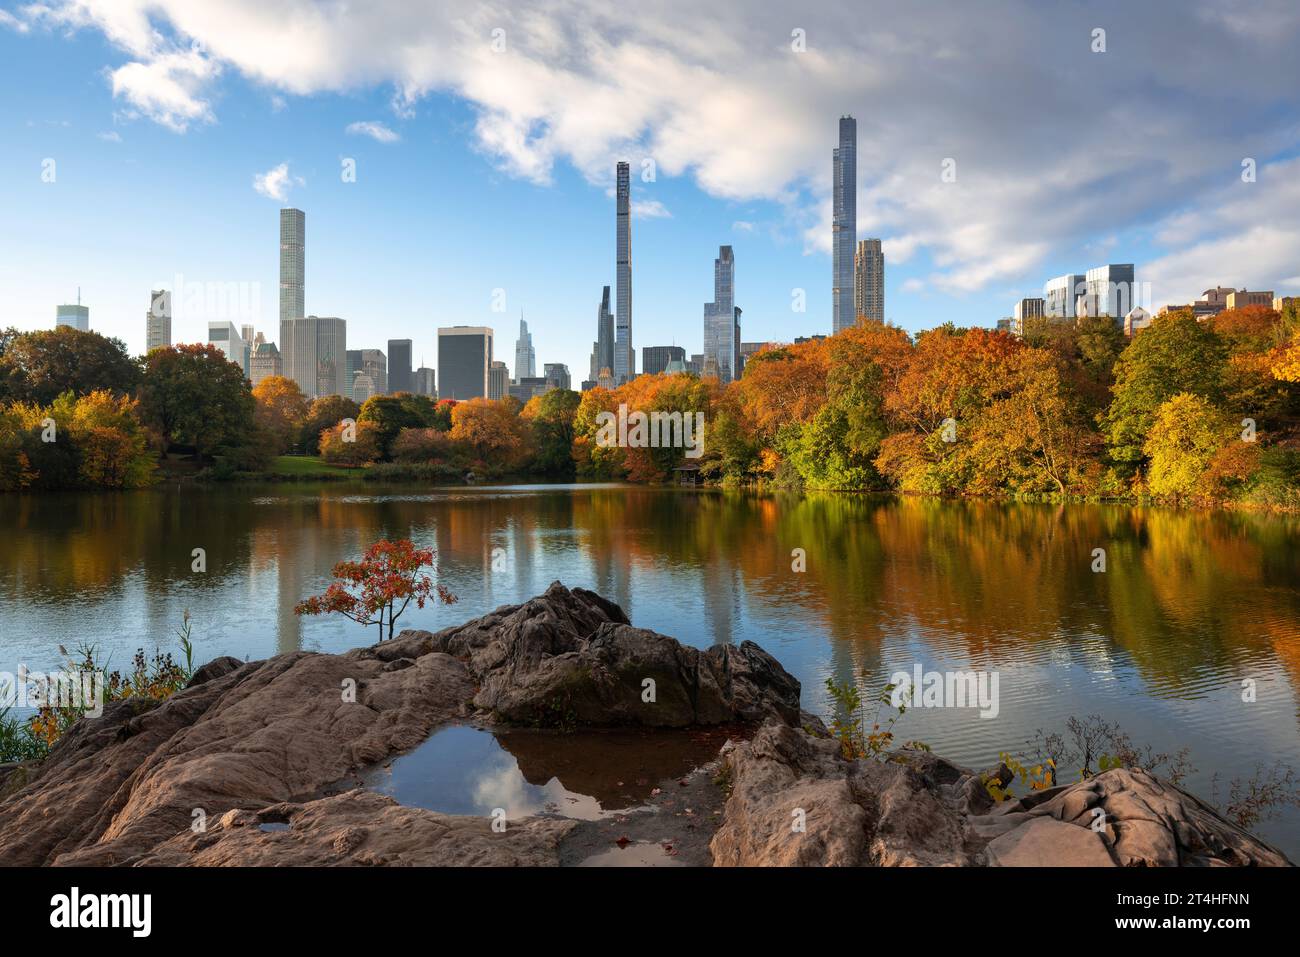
{"points": [[258, 763]]}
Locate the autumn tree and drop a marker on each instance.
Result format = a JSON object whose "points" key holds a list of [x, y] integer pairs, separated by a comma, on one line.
{"points": [[40, 366], [325, 413], [1187, 434], [377, 589], [192, 395], [391, 413], [493, 432], [280, 409], [351, 444]]}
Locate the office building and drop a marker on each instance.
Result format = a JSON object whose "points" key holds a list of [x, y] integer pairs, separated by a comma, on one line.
{"points": [[425, 382], [498, 380], [525, 354], [265, 363], [624, 354], [293, 239], [1240, 298], [1285, 302], [1110, 292], [695, 364], [367, 374], [844, 224], [1031, 308], [602, 350], [464, 362], [313, 350], [557, 376], [158, 321], [1061, 295], [748, 349], [528, 387], [226, 337], [399, 366], [722, 319], [655, 359], [869, 281], [75, 316], [605, 379]]}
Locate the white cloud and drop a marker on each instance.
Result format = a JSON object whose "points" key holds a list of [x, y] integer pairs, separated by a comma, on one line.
{"points": [[111, 136], [7, 19], [912, 285], [742, 226], [649, 209], [1096, 144], [276, 182], [375, 130]]}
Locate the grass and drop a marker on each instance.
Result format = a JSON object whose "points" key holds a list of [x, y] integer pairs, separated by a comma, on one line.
{"points": [[306, 465]]}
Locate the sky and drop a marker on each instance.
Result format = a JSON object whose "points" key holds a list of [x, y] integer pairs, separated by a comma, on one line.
{"points": [[150, 144]]}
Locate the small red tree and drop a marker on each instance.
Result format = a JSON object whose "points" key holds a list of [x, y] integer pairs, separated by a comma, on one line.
{"points": [[379, 587]]}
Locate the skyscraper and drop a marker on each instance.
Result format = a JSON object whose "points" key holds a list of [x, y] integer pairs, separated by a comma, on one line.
{"points": [[722, 318], [869, 281], [265, 363], [313, 351], [399, 366], [293, 239], [158, 320], [225, 336], [77, 316], [425, 382], [464, 361], [624, 355], [1061, 295], [525, 354], [602, 350], [498, 380], [1110, 291], [557, 376], [655, 359], [844, 224]]}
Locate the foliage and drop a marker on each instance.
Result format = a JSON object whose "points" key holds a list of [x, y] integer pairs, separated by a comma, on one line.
{"points": [[280, 409], [850, 723], [551, 416], [1187, 434], [351, 445], [390, 414], [39, 366], [325, 413], [368, 590], [193, 396]]}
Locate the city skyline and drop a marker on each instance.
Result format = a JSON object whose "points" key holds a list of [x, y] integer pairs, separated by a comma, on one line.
{"points": [[214, 164]]}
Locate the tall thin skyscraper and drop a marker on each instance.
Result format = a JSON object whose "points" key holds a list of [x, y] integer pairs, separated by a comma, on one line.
{"points": [[624, 354], [525, 354], [844, 225], [158, 321], [399, 366], [722, 318], [293, 239], [869, 280]]}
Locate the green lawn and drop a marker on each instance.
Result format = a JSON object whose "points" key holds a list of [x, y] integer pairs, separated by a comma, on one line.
{"points": [[306, 465]]}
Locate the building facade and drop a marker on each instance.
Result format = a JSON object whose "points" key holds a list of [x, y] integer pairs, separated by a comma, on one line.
{"points": [[602, 350], [464, 362], [425, 382], [158, 321], [225, 336], [1061, 295], [313, 350], [293, 246], [265, 363], [525, 354], [655, 359], [557, 376], [1110, 291], [75, 316], [1240, 298], [498, 380], [844, 224], [869, 281], [722, 318], [624, 355], [399, 366]]}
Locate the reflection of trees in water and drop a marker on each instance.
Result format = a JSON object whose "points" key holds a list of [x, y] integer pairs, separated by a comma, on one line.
{"points": [[1183, 590]]}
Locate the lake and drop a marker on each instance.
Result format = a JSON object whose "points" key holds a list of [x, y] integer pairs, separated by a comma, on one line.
{"points": [[1192, 606]]}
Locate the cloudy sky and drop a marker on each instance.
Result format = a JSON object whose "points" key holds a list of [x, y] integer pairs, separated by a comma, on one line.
{"points": [[150, 142]]}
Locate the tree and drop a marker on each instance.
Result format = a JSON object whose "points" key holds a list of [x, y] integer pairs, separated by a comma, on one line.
{"points": [[324, 413], [351, 445], [40, 366], [551, 417], [1187, 433], [192, 395], [492, 431], [379, 586], [114, 451], [1176, 354], [280, 409], [391, 413]]}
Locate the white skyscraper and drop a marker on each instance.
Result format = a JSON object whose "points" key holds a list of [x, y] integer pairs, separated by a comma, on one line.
{"points": [[525, 354]]}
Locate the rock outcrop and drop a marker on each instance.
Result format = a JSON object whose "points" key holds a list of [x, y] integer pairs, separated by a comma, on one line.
{"points": [[795, 801], [127, 787]]}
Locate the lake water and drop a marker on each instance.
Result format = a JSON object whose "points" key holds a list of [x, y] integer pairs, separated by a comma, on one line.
{"points": [[1191, 604]]}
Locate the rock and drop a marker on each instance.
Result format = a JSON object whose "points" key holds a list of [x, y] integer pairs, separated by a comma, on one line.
{"points": [[1046, 842], [214, 669]]}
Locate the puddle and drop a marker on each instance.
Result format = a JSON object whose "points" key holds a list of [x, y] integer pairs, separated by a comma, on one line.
{"points": [[637, 854], [584, 775], [273, 826]]}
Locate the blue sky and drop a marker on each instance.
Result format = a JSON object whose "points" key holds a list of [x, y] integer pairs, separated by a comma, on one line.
{"points": [[159, 117]]}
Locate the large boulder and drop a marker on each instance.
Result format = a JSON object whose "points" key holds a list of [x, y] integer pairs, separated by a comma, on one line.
{"points": [[795, 801]]}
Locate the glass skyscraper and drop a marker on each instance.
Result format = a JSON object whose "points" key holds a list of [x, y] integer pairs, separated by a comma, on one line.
{"points": [[293, 238], [844, 224], [721, 318], [624, 355], [869, 281]]}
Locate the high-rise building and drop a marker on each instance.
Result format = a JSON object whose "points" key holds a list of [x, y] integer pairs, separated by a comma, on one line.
{"points": [[655, 359], [265, 363], [226, 337], [624, 354], [367, 374], [602, 350], [158, 321], [498, 380], [605, 379], [399, 366], [314, 352], [844, 224], [464, 361], [525, 354], [529, 387], [696, 363], [75, 315], [1030, 308], [557, 376], [293, 242], [1110, 291], [722, 319], [869, 280], [748, 349], [1061, 295], [425, 382]]}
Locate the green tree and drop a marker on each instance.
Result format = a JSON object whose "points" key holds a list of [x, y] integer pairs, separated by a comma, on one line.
{"points": [[325, 413], [1187, 432], [551, 416], [1176, 354], [40, 366], [389, 414], [193, 396]]}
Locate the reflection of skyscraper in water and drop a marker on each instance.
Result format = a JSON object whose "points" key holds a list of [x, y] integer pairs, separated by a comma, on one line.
{"points": [[721, 584]]}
